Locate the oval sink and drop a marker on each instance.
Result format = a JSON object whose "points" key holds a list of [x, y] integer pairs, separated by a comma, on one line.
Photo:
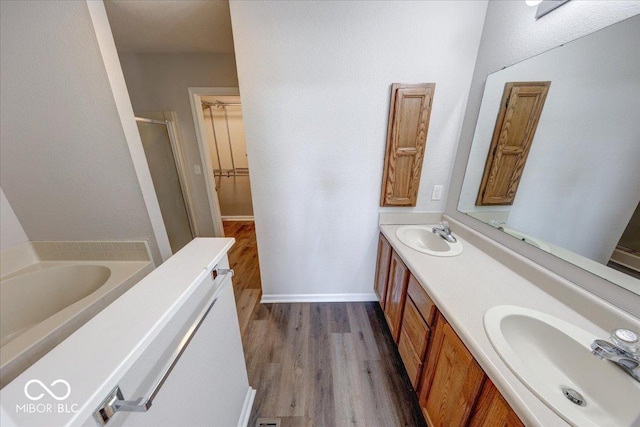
{"points": [[422, 239], [553, 359]]}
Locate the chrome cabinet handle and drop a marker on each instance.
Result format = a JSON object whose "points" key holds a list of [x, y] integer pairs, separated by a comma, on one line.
{"points": [[114, 402]]}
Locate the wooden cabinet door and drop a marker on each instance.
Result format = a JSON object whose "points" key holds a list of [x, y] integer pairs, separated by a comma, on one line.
{"points": [[396, 294], [382, 269], [516, 125], [492, 410], [452, 380], [409, 115]]}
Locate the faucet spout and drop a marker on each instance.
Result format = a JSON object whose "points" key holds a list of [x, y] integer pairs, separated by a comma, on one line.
{"points": [[627, 361], [444, 231]]}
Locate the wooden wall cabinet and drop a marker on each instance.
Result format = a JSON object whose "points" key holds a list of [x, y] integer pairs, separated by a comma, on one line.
{"points": [[516, 125], [407, 130], [396, 294], [382, 269]]}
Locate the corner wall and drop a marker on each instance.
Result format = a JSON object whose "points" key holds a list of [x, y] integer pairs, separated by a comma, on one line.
{"points": [[65, 163], [315, 82], [11, 231]]}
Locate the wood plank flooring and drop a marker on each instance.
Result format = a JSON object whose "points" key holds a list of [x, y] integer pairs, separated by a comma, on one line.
{"points": [[318, 364], [243, 259]]}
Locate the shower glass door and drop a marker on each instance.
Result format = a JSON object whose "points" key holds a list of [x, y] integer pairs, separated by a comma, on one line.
{"points": [[164, 174]]}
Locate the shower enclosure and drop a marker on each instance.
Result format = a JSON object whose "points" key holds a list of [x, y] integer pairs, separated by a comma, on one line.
{"points": [[225, 137], [158, 140]]}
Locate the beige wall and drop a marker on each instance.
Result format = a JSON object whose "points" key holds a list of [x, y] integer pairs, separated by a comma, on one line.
{"points": [[158, 82], [65, 164]]}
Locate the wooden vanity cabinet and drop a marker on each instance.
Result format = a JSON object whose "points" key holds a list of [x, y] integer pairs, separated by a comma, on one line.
{"points": [[452, 380], [452, 388], [382, 269], [396, 294], [492, 410]]}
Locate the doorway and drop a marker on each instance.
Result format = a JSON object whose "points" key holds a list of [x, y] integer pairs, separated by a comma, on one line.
{"points": [[163, 154], [225, 138], [217, 115]]}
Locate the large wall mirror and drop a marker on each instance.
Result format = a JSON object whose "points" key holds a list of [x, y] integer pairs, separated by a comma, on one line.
{"points": [[565, 167]]}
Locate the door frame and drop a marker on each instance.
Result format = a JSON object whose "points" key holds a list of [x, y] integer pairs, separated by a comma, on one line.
{"points": [[195, 98]]}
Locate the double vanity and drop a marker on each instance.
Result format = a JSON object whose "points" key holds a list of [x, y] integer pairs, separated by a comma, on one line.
{"points": [[488, 337]]}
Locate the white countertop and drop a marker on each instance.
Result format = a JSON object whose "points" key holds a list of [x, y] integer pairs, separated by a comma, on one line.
{"points": [[464, 287], [93, 358]]}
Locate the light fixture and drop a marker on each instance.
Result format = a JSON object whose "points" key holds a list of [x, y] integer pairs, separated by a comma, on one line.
{"points": [[532, 2]]}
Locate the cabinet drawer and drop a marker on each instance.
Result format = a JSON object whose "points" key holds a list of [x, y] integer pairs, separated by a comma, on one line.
{"points": [[412, 363], [415, 328], [423, 303]]}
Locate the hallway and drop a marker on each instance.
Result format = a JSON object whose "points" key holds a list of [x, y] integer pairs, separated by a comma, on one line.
{"points": [[317, 364]]}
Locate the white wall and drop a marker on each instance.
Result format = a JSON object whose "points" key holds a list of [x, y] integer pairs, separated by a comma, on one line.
{"points": [[315, 83], [11, 231], [158, 82], [512, 34], [65, 162]]}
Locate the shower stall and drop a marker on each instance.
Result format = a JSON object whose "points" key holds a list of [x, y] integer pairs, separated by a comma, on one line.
{"points": [[225, 137], [159, 140]]}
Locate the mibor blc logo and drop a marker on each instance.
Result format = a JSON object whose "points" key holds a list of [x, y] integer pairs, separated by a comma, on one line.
{"points": [[47, 389], [35, 390]]}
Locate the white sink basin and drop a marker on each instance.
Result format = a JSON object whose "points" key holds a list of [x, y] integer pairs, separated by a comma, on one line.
{"points": [[548, 355], [423, 239]]}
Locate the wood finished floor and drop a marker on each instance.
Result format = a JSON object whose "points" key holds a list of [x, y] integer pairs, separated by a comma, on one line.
{"points": [[317, 364]]}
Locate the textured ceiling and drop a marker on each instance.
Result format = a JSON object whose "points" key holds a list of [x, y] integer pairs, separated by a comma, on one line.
{"points": [[171, 26]]}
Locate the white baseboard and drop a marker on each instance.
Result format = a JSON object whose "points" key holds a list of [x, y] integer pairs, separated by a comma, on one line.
{"points": [[238, 218], [626, 259], [291, 298], [246, 407]]}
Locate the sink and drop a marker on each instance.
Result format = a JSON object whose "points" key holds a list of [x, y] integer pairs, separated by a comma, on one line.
{"points": [[551, 357], [422, 239], [527, 239]]}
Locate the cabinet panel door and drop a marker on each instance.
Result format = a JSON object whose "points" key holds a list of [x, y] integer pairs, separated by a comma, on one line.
{"points": [[423, 303], [414, 326], [492, 410], [382, 269], [520, 111], [396, 294], [453, 380], [412, 363], [406, 140]]}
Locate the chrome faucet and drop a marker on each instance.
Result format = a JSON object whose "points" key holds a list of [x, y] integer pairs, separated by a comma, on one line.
{"points": [[624, 351], [444, 231]]}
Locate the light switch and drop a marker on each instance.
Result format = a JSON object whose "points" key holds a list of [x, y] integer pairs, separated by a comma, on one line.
{"points": [[437, 192], [197, 170]]}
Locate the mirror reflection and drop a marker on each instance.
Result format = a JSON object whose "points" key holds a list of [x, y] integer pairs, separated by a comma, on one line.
{"points": [[561, 170]]}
